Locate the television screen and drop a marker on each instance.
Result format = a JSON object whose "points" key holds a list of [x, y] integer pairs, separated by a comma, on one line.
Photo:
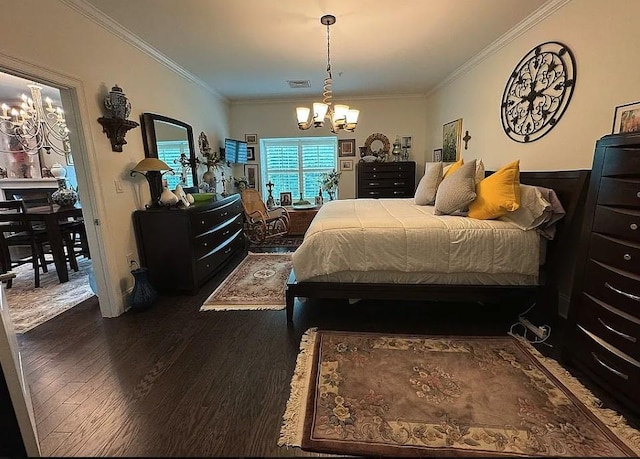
{"points": [[235, 151], [241, 157], [230, 150]]}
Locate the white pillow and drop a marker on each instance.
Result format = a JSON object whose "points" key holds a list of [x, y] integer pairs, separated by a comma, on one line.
{"points": [[479, 171], [534, 210], [426, 191]]}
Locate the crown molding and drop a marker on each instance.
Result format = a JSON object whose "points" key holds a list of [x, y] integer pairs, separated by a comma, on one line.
{"points": [[307, 99], [94, 14], [530, 21]]}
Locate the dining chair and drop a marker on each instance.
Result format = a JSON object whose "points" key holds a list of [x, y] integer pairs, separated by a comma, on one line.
{"points": [[17, 231]]}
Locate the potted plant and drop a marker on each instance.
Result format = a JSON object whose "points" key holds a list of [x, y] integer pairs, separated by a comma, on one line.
{"points": [[329, 182]]}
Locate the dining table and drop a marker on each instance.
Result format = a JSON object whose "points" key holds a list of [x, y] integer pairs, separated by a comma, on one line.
{"points": [[51, 216]]}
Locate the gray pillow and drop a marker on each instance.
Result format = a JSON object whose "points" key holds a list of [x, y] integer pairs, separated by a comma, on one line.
{"points": [[426, 191], [457, 190]]}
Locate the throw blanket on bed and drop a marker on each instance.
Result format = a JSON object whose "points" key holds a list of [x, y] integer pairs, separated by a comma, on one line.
{"points": [[396, 235]]}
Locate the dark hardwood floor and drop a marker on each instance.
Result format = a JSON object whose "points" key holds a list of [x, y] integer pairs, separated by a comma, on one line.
{"points": [[173, 381]]}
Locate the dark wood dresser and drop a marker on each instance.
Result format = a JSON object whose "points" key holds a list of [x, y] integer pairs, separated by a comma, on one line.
{"points": [[184, 247], [604, 317], [386, 180]]}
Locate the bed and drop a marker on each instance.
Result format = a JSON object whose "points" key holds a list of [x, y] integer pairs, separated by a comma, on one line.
{"points": [[407, 272]]}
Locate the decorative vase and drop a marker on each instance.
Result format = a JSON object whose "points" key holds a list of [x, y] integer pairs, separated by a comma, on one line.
{"points": [[168, 198], [331, 194], [63, 196], [117, 103], [58, 171], [143, 294]]}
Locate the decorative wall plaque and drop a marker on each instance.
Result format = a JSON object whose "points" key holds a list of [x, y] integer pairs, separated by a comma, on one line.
{"points": [[538, 92]]}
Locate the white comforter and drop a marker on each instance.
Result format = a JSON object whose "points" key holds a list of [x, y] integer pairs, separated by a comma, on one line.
{"points": [[387, 236]]}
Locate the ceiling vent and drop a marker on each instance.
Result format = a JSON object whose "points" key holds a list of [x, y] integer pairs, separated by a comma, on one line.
{"points": [[296, 84]]}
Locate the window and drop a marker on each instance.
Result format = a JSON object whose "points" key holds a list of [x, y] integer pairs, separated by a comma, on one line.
{"points": [[170, 150], [295, 165]]}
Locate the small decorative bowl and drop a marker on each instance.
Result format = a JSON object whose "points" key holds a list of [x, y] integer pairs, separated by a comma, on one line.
{"points": [[201, 197]]}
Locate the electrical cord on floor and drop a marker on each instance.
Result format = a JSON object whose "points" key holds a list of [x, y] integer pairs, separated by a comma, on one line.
{"points": [[527, 327]]}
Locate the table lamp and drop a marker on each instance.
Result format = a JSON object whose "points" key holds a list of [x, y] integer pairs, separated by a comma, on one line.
{"points": [[152, 169]]}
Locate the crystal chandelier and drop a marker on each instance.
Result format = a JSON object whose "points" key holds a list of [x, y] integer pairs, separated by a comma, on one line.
{"points": [[341, 116], [32, 127]]}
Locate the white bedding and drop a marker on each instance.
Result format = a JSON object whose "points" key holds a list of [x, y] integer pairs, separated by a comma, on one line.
{"points": [[397, 241]]}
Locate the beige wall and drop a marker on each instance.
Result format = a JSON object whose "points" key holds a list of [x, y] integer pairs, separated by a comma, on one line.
{"points": [[62, 41], [603, 37], [404, 115]]}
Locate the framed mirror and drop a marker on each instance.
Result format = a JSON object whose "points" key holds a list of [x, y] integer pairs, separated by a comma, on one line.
{"points": [[171, 141]]}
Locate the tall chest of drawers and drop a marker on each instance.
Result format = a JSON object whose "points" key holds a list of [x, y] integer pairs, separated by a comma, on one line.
{"points": [[386, 180], [183, 248], [603, 336]]}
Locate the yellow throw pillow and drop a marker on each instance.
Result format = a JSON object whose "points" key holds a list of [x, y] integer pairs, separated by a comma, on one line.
{"points": [[497, 194], [455, 166]]}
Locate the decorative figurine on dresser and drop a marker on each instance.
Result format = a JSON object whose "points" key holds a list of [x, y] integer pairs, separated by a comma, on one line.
{"points": [[603, 334]]}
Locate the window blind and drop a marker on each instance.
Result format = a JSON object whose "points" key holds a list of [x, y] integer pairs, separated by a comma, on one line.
{"points": [[170, 152], [296, 164]]}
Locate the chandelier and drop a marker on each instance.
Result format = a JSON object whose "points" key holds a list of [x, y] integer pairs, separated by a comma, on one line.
{"points": [[33, 127], [341, 116]]}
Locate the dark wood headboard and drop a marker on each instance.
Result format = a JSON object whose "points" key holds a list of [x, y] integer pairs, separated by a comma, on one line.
{"points": [[571, 189]]}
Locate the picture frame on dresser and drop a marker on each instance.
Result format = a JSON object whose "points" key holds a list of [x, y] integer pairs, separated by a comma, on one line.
{"points": [[626, 118]]}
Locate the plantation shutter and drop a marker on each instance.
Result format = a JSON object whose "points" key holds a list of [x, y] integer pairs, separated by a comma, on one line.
{"points": [[295, 165], [170, 152]]}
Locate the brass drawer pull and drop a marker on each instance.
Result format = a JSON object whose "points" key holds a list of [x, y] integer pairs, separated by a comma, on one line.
{"points": [[626, 256], [619, 333], [204, 244], [398, 192], [202, 222], [374, 183], [628, 295], [226, 232], [638, 194], [224, 214], [612, 370], [228, 250], [398, 183], [633, 226]]}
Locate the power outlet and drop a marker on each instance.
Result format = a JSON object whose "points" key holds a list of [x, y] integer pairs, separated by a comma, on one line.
{"points": [[130, 259]]}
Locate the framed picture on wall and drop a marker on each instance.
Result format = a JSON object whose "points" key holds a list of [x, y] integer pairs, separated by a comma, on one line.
{"points": [[251, 153], [346, 164], [251, 172], [626, 118], [346, 147], [437, 155], [451, 141], [251, 138]]}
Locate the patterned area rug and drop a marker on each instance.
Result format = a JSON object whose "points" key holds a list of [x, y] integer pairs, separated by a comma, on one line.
{"points": [[292, 242], [258, 282], [30, 306], [373, 394]]}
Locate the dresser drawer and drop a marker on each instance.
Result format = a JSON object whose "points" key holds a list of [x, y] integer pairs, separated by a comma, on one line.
{"points": [[619, 192], [619, 371], [388, 167], [208, 265], [616, 253], [620, 223], [614, 287], [621, 162], [385, 193], [384, 182], [206, 220], [614, 326], [208, 241]]}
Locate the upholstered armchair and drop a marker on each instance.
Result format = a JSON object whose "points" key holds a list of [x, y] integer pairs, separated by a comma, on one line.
{"points": [[262, 223]]}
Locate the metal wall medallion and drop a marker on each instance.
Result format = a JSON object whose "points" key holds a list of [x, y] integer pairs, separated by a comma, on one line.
{"points": [[538, 92]]}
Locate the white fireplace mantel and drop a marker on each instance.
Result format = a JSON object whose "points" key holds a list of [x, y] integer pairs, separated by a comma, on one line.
{"points": [[26, 183]]}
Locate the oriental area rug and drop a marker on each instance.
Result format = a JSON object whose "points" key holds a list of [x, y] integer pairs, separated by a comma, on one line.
{"points": [[402, 395], [29, 306], [288, 242], [258, 282]]}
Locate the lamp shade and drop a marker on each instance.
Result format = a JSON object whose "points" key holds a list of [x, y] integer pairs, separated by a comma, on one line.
{"points": [[151, 164], [302, 114]]}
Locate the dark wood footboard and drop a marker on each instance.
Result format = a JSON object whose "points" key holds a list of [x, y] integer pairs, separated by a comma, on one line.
{"points": [[570, 187]]}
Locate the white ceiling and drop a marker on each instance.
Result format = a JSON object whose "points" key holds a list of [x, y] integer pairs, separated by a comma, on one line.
{"points": [[247, 49]]}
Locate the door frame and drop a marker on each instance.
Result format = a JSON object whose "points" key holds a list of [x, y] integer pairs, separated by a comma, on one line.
{"points": [[85, 163]]}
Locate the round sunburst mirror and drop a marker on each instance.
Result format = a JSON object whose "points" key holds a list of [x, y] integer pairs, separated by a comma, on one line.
{"points": [[538, 92]]}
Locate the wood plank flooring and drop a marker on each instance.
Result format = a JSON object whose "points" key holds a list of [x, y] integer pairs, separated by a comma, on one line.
{"points": [[173, 381]]}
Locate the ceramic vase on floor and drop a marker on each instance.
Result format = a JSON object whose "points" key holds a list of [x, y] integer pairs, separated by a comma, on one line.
{"points": [[143, 294]]}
